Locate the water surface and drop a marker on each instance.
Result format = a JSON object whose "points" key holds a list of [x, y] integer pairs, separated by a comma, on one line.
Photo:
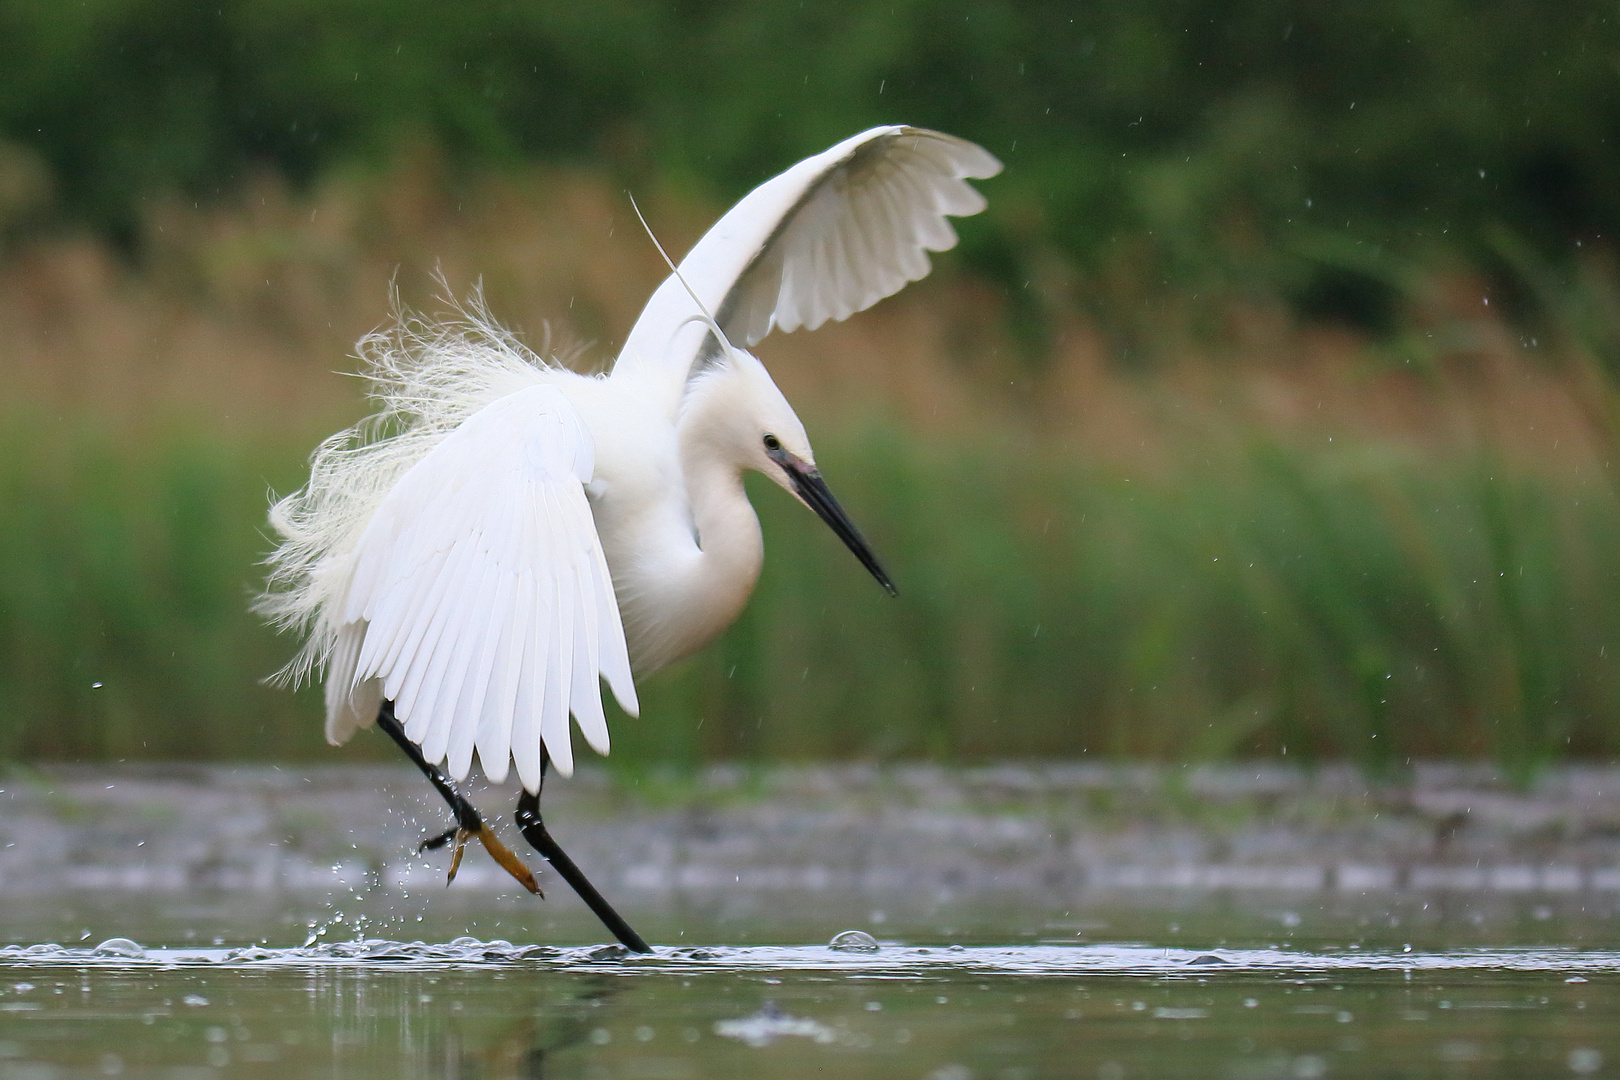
{"points": [[496, 1009], [1027, 922]]}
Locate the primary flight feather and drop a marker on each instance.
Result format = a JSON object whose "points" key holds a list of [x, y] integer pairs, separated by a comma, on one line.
{"points": [[504, 533]]}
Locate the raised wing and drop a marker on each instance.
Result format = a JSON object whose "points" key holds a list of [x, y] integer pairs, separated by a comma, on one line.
{"points": [[831, 236], [480, 601]]}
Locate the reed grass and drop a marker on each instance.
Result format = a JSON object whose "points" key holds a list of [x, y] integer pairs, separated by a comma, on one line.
{"points": [[1287, 540], [1253, 597]]}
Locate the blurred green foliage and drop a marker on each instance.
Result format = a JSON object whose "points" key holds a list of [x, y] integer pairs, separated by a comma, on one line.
{"points": [[1278, 144], [124, 576], [1257, 599], [1253, 597]]}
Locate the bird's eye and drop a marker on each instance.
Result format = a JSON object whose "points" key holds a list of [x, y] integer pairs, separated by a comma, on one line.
{"points": [[772, 442]]}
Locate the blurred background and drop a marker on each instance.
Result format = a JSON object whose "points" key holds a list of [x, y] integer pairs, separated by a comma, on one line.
{"points": [[1270, 410]]}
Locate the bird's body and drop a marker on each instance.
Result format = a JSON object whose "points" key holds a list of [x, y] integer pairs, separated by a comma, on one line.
{"points": [[504, 531], [677, 530]]}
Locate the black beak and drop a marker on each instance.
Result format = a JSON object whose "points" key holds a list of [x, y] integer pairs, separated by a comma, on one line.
{"points": [[809, 485]]}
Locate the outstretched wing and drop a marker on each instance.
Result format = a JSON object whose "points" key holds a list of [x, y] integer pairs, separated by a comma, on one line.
{"points": [[479, 599], [831, 236]]}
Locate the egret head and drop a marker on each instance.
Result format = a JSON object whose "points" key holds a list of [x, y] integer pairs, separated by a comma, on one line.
{"points": [[757, 429]]}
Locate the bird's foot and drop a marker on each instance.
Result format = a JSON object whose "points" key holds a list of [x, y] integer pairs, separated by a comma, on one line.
{"points": [[468, 821], [434, 843], [509, 862], [492, 844], [455, 860]]}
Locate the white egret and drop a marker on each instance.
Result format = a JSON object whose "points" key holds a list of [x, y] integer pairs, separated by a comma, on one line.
{"points": [[504, 532]]}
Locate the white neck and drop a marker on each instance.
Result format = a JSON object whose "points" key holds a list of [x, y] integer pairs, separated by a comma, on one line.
{"points": [[681, 591]]}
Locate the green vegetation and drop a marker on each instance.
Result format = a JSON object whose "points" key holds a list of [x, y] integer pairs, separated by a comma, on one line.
{"points": [[1351, 603], [1187, 181], [124, 579], [1307, 150], [1250, 598]]}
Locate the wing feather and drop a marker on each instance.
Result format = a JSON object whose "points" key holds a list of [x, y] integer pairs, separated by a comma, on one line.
{"points": [[389, 623], [500, 703], [879, 231], [420, 649], [452, 730], [479, 675], [479, 597], [559, 669], [829, 237], [341, 670], [528, 718], [436, 703], [588, 712]]}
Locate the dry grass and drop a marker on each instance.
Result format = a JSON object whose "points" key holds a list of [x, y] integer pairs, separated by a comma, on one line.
{"points": [[1336, 541], [241, 317]]}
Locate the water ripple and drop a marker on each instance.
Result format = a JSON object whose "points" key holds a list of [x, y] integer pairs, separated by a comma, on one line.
{"points": [[890, 960]]}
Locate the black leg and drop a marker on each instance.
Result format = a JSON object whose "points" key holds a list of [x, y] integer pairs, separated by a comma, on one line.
{"points": [[469, 822], [534, 831]]}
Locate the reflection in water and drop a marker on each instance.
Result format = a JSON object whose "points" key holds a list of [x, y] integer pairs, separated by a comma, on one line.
{"points": [[488, 1009], [1001, 924]]}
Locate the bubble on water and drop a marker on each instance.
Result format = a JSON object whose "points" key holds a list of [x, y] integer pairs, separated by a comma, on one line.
{"points": [[954, 1071], [194, 999], [853, 941], [120, 946]]}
